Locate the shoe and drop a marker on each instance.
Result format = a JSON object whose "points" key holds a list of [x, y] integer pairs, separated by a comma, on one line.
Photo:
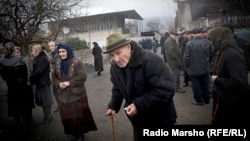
{"points": [[180, 90], [184, 85], [197, 103], [47, 121]]}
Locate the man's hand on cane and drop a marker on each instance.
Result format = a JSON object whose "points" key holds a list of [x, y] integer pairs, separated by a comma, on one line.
{"points": [[110, 112]]}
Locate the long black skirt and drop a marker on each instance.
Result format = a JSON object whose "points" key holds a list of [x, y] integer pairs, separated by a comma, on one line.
{"points": [[98, 65], [43, 96], [76, 117]]}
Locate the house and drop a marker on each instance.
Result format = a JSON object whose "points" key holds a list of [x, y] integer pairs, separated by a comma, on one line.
{"points": [[98, 27]]}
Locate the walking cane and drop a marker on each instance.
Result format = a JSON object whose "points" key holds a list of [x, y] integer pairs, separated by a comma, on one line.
{"points": [[112, 127]]}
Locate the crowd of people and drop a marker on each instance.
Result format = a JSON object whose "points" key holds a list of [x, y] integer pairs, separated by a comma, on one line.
{"points": [[33, 81], [147, 82]]}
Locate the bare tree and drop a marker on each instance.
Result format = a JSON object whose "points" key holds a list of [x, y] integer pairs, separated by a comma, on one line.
{"points": [[154, 25], [22, 20], [169, 20]]}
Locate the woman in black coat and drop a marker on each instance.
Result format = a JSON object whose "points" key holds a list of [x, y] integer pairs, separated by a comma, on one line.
{"points": [[97, 52], [40, 77], [230, 80]]}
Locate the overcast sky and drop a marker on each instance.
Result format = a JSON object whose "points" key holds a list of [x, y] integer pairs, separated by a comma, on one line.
{"points": [[146, 8]]}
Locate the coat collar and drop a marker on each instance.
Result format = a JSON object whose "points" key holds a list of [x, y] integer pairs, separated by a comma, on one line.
{"points": [[136, 57]]}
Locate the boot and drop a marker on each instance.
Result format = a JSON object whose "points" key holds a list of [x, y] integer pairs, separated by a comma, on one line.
{"points": [[47, 115], [47, 120], [99, 73]]}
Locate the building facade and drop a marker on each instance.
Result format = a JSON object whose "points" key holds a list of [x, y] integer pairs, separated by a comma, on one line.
{"points": [[203, 13], [98, 27]]}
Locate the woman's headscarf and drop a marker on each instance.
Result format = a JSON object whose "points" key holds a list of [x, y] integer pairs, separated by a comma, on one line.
{"points": [[222, 37], [70, 55]]}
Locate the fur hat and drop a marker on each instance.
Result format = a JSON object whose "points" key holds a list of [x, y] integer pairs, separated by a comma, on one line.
{"points": [[115, 41]]}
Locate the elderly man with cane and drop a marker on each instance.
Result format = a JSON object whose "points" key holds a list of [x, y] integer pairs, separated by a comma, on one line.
{"points": [[143, 79]]}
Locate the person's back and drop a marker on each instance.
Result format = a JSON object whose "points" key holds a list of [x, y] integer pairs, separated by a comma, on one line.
{"points": [[245, 46], [154, 44], [198, 54], [98, 58], [13, 71]]}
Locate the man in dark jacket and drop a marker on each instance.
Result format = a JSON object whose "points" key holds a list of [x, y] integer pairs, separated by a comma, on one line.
{"points": [[173, 55], [20, 97], [144, 81], [197, 57]]}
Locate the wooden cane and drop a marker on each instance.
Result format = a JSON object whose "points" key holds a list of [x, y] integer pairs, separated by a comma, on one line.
{"points": [[112, 127]]}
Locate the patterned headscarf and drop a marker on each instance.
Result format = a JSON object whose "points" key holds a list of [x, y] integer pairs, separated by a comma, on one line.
{"points": [[70, 55]]}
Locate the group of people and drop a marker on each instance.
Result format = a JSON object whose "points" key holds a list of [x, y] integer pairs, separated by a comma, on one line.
{"points": [[32, 81], [149, 44], [146, 82]]}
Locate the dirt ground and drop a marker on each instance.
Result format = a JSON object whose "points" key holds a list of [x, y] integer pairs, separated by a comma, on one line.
{"points": [[99, 92]]}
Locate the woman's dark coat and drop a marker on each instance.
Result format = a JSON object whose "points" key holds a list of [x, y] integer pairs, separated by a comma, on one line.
{"points": [[97, 52], [40, 75], [231, 94], [147, 83]]}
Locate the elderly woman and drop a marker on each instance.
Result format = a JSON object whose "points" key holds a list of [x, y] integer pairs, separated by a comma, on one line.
{"points": [[40, 77], [97, 52], [69, 76], [230, 80]]}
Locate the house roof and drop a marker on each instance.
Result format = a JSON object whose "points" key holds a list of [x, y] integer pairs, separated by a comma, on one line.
{"points": [[129, 14]]}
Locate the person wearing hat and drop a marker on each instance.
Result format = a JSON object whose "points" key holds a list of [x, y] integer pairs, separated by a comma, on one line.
{"points": [[69, 76], [143, 79], [205, 32], [97, 52], [242, 43], [20, 97], [173, 55], [197, 57]]}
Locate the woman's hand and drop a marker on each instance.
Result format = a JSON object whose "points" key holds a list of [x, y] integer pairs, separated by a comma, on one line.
{"points": [[64, 84]]}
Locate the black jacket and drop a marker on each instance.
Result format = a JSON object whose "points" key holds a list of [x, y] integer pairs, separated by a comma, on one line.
{"points": [[147, 83], [20, 97], [40, 75]]}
